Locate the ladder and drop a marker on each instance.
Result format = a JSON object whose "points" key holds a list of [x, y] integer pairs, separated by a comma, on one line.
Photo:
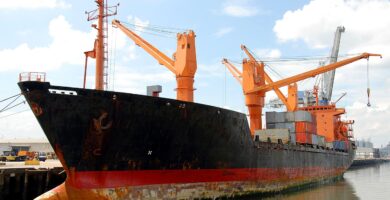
{"points": [[105, 45]]}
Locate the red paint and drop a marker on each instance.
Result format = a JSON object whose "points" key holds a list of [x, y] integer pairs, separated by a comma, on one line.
{"points": [[303, 137], [111, 179], [310, 127]]}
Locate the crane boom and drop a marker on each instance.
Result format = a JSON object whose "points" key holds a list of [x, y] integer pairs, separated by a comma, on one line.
{"points": [[158, 55], [233, 70], [311, 73], [183, 64], [329, 76], [289, 106]]}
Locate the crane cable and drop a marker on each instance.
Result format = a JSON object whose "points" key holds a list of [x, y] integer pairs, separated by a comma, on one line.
{"points": [[160, 31], [16, 97], [368, 85], [8, 106], [267, 66], [9, 97]]}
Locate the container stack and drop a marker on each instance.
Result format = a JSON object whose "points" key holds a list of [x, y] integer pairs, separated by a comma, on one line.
{"points": [[339, 145], [318, 140], [300, 124], [329, 145], [273, 135]]}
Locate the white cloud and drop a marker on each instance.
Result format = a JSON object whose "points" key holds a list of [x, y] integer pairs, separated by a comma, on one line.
{"points": [[223, 31], [139, 25], [21, 125], [268, 53], [66, 47], [211, 70], [366, 23], [370, 122], [33, 4], [136, 80], [239, 11], [239, 8]]}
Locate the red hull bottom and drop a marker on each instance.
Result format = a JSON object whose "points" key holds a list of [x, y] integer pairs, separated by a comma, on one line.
{"points": [[185, 184]]}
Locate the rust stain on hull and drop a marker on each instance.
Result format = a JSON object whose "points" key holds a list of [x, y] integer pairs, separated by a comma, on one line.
{"points": [[180, 191]]}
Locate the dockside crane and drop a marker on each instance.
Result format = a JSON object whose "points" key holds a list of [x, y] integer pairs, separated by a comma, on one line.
{"points": [[255, 87], [328, 77], [183, 64]]}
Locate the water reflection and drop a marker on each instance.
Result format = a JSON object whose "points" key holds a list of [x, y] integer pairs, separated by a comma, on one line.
{"points": [[371, 182], [339, 190]]}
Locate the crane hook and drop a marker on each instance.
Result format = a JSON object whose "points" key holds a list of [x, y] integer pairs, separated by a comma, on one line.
{"points": [[368, 86]]}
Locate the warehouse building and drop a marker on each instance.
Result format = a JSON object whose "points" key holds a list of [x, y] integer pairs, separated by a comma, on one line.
{"points": [[29, 144]]}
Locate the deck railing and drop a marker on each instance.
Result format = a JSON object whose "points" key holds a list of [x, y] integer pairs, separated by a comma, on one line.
{"points": [[32, 76]]}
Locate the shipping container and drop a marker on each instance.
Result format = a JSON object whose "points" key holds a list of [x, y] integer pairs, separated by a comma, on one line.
{"points": [[300, 127], [282, 125], [321, 140], [289, 117], [293, 138], [305, 127], [339, 145], [347, 143], [274, 117], [273, 135], [329, 145], [343, 146], [286, 125], [302, 116], [290, 126], [314, 139], [303, 137], [270, 117], [270, 125]]}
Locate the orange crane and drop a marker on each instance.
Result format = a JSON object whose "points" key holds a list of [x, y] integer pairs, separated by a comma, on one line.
{"points": [[183, 64], [254, 88], [311, 73], [255, 101], [291, 101], [251, 76]]}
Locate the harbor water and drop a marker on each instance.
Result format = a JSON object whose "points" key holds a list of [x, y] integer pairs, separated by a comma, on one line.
{"points": [[365, 183]]}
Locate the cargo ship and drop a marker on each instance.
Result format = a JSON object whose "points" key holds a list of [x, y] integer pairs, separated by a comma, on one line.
{"points": [[116, 145]]}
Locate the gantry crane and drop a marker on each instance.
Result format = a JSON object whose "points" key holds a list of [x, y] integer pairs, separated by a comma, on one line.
{"points": [[183, 64], [254, 87]]}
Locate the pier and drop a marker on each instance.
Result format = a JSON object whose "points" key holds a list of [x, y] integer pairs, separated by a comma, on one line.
{"points": [[20, 181], [366, 162]]}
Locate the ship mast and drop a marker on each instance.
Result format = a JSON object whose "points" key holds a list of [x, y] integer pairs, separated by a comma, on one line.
{"points": [[100, 51]]}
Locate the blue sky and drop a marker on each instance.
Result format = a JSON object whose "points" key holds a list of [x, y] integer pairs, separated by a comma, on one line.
{"points": [[51, 36]]}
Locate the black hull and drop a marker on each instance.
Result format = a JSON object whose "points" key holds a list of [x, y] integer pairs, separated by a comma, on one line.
{"points": [[110, 131]]}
